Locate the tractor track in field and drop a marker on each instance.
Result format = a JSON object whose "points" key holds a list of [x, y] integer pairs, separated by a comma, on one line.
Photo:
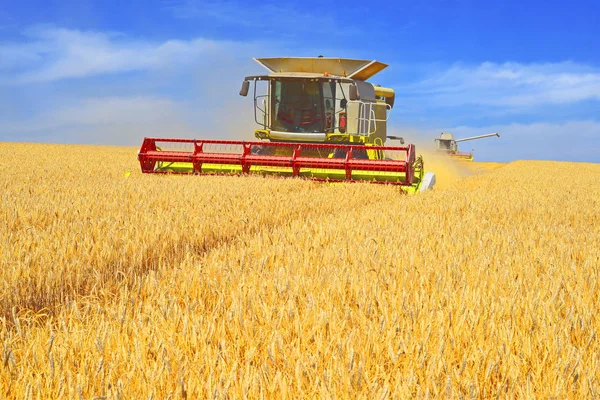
{"points": [[105, 280]]}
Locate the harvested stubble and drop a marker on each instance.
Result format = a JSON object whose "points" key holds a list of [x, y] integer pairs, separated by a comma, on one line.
{"points": [[204, 287]]}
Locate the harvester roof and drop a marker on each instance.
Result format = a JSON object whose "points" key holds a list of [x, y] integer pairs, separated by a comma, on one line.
{"points": [[446, 136], [306, 66]]}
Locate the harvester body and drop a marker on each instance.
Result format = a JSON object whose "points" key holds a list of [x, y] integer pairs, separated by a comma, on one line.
{"points": [[447, 144], [321, 100], [318, 118]]}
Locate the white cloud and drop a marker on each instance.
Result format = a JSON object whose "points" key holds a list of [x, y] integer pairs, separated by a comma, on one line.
{"points": [[109, 120], [200, 78], [172, 88], [16, 55], [52, 54], [120, 110], [509, 85]]}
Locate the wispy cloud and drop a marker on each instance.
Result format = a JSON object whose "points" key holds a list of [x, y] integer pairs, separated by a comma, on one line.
{"points": [[50, 54], [269, 16], [133, 88], [199, 79], [105, 120], [509, 85]]}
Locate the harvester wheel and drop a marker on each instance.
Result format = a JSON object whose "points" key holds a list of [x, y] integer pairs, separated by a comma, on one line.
{"points": [[261, 150], [358, 154]]}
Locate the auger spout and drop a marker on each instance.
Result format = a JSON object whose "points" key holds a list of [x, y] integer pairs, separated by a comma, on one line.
{"points": [[477, 137]]}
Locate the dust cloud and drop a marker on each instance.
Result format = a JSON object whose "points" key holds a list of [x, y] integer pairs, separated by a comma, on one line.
{"points": [[447, 170]]}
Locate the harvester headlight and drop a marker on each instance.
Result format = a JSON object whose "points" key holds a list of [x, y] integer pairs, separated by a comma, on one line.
{"points": [[261, 134]]}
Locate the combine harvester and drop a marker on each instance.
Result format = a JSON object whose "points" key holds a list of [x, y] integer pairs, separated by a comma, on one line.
{"points": [[447, 144], [318, 118]]}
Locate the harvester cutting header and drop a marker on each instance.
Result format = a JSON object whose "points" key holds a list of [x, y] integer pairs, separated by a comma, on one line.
{"points": [[318, 118]]}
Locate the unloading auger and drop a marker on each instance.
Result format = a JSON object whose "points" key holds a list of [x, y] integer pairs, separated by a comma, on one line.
{"points": [[318, 118]]}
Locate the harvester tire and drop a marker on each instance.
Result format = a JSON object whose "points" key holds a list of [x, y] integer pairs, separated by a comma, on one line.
{"points": [[358, 154]]}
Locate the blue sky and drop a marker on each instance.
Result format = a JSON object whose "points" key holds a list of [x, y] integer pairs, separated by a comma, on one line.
{"points": [[111, 72]]}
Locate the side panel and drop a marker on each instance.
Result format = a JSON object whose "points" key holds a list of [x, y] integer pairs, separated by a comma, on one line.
{"points": [[381, 127]]}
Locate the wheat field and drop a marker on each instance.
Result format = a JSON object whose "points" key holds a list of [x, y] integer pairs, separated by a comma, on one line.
{"points": [[118, 285]]}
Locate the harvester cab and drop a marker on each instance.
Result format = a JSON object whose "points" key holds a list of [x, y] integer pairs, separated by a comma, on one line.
{"points": [[447, 144], [318, 118], [323, 100]]}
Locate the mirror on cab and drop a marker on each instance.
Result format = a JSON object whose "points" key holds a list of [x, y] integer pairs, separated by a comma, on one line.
{"points": [[245, 88]]}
